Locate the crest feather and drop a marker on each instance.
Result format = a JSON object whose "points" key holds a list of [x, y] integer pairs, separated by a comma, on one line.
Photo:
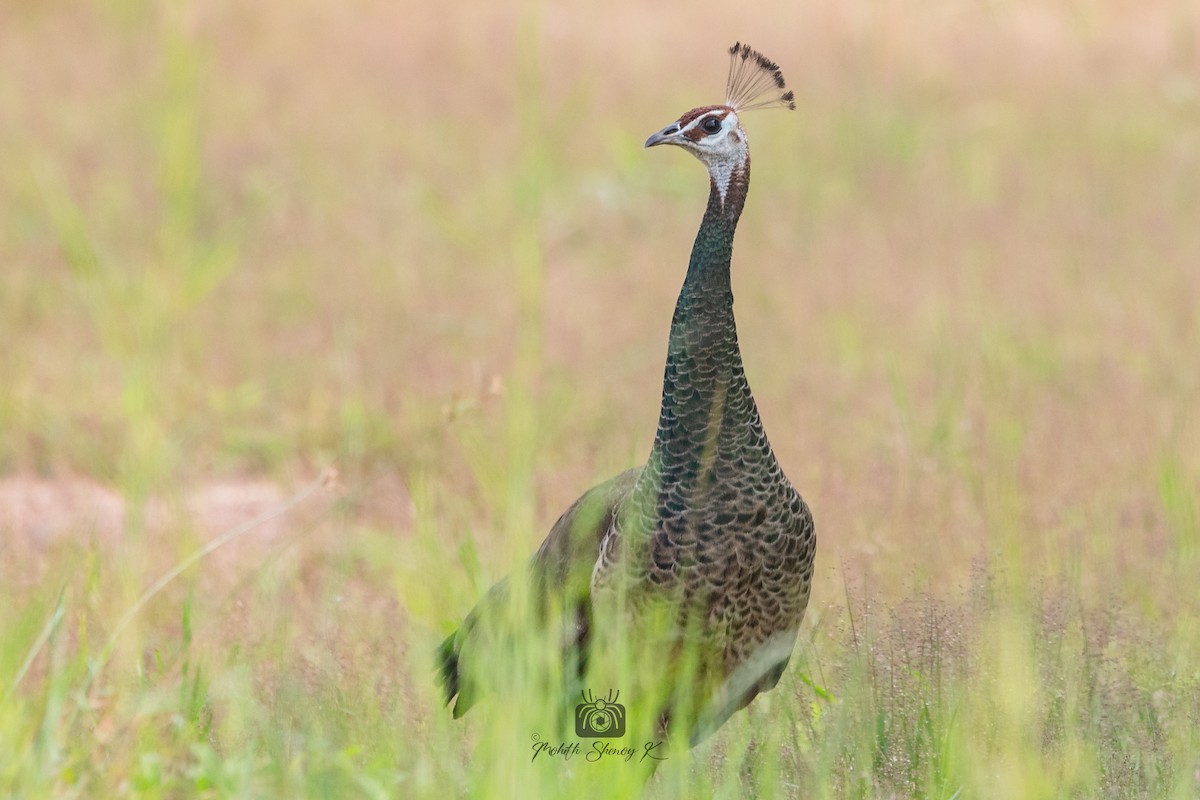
{"points": [[755, 81]]}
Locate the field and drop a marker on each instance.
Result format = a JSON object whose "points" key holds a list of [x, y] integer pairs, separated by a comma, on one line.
{"points": [[316, 316]]}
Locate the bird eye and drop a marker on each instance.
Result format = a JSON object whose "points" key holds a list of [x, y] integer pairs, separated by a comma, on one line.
{"points": [[711, 125]]}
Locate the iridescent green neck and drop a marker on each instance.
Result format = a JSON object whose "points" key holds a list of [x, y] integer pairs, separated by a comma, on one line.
{"points": [[704, 363]]}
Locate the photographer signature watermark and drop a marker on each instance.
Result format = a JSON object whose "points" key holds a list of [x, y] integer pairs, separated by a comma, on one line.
{"points": [[599, 718]]}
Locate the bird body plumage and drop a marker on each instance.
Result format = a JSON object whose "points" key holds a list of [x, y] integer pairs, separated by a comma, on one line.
{"points": [[708, 538]]}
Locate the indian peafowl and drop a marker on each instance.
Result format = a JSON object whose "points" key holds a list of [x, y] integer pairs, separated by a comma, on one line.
{"points": [[698, 564]]}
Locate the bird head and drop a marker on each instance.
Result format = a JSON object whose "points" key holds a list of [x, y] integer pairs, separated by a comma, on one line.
{"points": [[714, 134]]}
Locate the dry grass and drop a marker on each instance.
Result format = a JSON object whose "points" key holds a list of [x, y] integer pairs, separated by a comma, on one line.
{"points": [[421, 243]]}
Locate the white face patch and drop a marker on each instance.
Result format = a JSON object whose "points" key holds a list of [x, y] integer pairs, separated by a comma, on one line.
{"points": [[708, 138]]}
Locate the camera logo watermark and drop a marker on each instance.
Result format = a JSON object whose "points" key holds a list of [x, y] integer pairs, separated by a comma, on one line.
{"points": [[600, 717]]}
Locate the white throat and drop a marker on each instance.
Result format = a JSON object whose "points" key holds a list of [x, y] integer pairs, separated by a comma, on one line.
{"points": [[722, 173]]}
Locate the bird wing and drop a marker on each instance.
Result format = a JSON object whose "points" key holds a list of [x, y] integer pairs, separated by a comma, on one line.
{"points": [[560, 581], [568, 555]]}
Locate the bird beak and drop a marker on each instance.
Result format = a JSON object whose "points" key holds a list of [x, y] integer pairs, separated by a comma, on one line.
{"points": [[666, 136]]}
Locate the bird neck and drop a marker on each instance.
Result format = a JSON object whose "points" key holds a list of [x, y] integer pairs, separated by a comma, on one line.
{"points": [[713, 248], [705, 394]]}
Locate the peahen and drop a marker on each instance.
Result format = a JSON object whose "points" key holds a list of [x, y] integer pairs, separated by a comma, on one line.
{"points": [[696, 566]]}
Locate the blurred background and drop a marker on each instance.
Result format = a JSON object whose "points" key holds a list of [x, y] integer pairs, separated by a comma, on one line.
{"points": [[420, 244]]}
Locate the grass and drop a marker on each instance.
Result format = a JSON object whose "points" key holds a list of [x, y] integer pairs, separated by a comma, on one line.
{"points": [[244, 247]]}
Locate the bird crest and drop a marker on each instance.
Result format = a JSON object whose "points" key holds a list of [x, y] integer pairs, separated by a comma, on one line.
{"points": [[755, 81]]}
